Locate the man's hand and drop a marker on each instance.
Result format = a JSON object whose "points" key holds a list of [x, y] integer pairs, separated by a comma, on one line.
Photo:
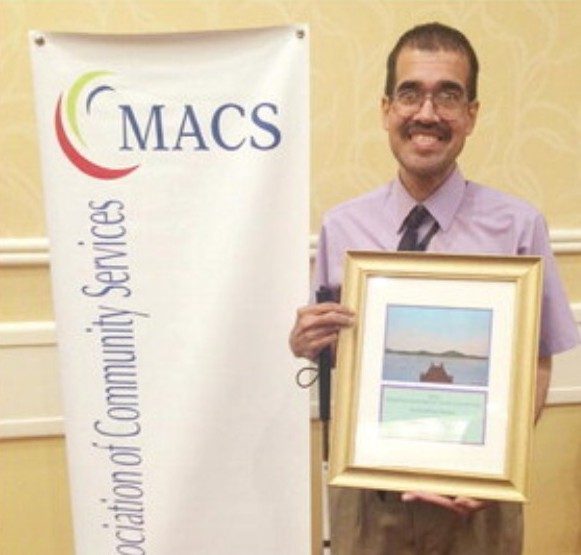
{"points": [[543, 381], [317, 326], [462, 506]]}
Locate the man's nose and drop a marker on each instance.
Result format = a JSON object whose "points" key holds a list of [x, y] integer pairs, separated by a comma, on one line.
{"points": [[427, 110]]}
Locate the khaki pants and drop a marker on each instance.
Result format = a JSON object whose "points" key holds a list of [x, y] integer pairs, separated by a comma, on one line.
{"points": [[363, 522]]}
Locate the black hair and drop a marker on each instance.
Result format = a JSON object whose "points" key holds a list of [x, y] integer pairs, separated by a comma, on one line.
{"points": [[434, 36]]}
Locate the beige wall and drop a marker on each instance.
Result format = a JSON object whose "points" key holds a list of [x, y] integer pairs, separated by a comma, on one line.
{"points": [[527, 142], [34, 504]]}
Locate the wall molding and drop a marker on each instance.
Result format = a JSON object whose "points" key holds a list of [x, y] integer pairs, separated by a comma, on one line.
{"points": [[563, 241], [30, 334], [32, 427], [34, 251], [564, 396], [30, 251], [20, 336]]}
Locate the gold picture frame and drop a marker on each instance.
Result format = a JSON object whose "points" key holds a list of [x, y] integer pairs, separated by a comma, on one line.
{"points": [[461, 425]]}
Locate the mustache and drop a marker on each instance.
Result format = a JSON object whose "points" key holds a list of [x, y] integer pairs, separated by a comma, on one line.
{"points": [[441, 130]]}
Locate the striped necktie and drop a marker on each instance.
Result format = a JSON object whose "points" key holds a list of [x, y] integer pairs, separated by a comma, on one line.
{"points": [[409, 240]]}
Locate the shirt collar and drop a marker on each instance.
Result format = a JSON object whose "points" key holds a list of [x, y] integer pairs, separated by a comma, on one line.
{"points": [[442, 204]]}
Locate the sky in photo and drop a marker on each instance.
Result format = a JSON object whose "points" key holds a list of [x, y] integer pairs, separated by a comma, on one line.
{"points": [[438, 329]]}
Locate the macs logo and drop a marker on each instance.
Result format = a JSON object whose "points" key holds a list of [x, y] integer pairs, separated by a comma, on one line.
{"points": [[155, 128], [83, 88]]}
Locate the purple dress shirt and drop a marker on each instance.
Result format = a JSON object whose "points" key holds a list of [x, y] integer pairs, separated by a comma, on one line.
{"points": [[473, 219]]}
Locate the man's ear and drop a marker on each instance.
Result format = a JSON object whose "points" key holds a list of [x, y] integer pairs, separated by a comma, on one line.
{"points": [[473, 108], [385, 108]]}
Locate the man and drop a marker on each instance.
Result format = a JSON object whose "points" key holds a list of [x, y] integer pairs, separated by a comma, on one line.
{"points": [[429, 108]]}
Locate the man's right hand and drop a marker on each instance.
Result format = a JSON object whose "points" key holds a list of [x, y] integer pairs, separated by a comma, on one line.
{"points": [[317, 326]]}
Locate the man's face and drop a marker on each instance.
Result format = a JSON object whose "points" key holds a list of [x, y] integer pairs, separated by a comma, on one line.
{"points": [[426, 140]]}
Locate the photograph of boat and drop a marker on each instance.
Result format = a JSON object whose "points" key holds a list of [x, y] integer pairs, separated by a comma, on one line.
{"points": [[436, 373]]}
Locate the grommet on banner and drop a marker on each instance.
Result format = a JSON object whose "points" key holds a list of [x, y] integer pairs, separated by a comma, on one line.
{"points": [[39, 40], [300, 33]]}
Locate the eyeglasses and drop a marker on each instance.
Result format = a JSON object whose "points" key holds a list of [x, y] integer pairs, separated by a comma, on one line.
{"points": [[446, 102]]}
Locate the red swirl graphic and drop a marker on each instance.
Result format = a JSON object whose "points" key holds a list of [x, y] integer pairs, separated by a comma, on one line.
{"points": [[85, 165]]}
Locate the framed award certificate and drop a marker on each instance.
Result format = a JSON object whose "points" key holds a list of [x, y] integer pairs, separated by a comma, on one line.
{"points": [[435, 386]]}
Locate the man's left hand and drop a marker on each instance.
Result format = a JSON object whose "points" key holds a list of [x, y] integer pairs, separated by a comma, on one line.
{"points": [[462, 506]]}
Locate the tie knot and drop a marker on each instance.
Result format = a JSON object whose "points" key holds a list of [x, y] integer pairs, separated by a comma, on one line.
{"points": [[416, 216]]}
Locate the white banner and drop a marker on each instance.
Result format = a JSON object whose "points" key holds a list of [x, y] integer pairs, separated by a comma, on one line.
{"points": [[176, 186]]}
